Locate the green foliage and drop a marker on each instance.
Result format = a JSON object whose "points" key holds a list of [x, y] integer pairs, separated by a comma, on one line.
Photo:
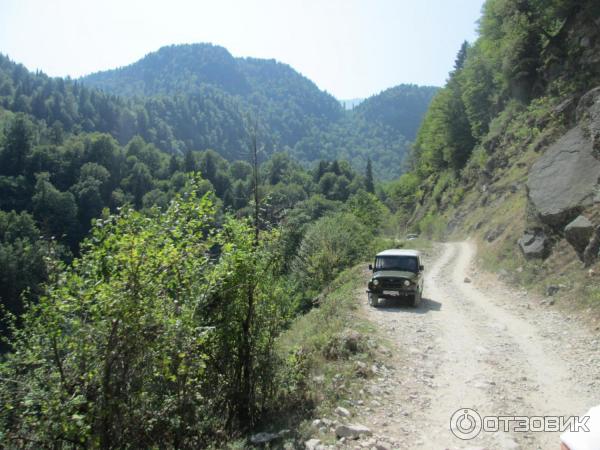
{"points": [[402, 193], [67, 186], [368, 209], [56, 211], [329, 245], [149, 339], [432, 226], [369, 184], [16, 146], [22, 261], [189, 97], [378, 129]]}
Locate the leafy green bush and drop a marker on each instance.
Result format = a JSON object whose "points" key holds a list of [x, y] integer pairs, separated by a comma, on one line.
{"points": [[368, 209], [329, 245], [159, 336]]}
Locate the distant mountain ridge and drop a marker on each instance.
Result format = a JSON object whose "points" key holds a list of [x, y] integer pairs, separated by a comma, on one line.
{"points": [[198, 97], [311, 123]]}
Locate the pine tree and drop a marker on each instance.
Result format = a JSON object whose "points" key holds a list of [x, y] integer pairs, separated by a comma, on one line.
{"points": [[369, 185], [189, 163]]}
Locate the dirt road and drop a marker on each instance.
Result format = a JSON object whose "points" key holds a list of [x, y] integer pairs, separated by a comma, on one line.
{"points": [[482, 345]]}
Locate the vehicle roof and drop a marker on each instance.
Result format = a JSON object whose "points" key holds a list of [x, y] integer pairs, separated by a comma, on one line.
{"points": [[399, 252]]}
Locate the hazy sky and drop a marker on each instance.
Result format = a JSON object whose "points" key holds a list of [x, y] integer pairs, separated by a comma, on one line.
{"points": [[351, 48]]}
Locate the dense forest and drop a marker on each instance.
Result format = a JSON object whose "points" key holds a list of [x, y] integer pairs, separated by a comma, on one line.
{"points": [[141, 284], [198, 97], [56, 186], [298, 116], [311, 123]]}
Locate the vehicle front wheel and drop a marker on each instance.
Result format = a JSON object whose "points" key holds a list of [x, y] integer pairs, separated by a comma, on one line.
{"points": [[373, 300], [416, 300]]}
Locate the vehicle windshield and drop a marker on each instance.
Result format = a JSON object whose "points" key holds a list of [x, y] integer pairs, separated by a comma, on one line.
{"points": [[407, 263]]}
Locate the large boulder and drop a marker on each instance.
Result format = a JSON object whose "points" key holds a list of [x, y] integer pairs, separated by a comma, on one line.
{"points": [[578, 233], [534, 244], [564, 180]]}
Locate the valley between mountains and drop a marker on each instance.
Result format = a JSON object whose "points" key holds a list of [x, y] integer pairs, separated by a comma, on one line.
{"points": [[476, 343]]}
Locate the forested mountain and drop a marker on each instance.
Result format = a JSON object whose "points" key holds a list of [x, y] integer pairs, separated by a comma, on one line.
{"points": [[380, 128], [293, 110], [400, 108], [134, 224], [288, 102], [170, 274], [198, 97], [68, 150]]}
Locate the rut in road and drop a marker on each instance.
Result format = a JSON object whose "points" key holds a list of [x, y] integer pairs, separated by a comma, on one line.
{"points": [[479, 345]]}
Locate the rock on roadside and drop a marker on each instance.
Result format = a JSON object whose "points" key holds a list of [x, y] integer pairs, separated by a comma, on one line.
{"points": [[578, 233], [312, 444], [351, 431], [342, 412], [534, 244]]}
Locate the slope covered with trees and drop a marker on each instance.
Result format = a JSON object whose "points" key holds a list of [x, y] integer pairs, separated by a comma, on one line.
{"points": [[159, 327], [53, 188], [199, 97], [380, 128], [294, 111], [501, 99]]}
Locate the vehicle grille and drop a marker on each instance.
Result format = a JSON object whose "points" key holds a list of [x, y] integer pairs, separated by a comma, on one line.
{"points": [[392, 283]]}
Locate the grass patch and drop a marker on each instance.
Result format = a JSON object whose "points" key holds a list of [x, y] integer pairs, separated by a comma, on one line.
{"points": [[333, 337]]}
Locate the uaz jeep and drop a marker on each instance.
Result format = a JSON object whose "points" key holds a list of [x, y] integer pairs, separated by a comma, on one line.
{"points": [[396, 274]]}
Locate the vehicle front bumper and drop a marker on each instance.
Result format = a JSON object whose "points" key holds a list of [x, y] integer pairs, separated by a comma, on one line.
{"points": [[392, 293]]}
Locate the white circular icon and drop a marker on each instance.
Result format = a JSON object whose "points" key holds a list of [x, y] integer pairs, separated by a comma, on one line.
{"points": [[465, 423]]}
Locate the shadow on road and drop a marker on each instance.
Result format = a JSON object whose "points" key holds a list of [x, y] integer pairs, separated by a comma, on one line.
{"points": [[403, 305]]}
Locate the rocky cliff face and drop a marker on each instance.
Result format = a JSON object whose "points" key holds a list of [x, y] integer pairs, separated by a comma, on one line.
{"points": [[563, 184]]}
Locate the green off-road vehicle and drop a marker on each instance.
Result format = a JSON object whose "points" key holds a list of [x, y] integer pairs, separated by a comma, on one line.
{"points": [[397, 274]]}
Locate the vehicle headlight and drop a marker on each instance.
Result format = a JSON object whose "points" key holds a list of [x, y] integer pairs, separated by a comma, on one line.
{"points": [[375, 282], [406, 283]]}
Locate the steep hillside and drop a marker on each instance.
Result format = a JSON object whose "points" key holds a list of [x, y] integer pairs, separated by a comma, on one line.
{"points": [[380, 128], [508, 150], [287, 101], [400, 108], [207, 119]]}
